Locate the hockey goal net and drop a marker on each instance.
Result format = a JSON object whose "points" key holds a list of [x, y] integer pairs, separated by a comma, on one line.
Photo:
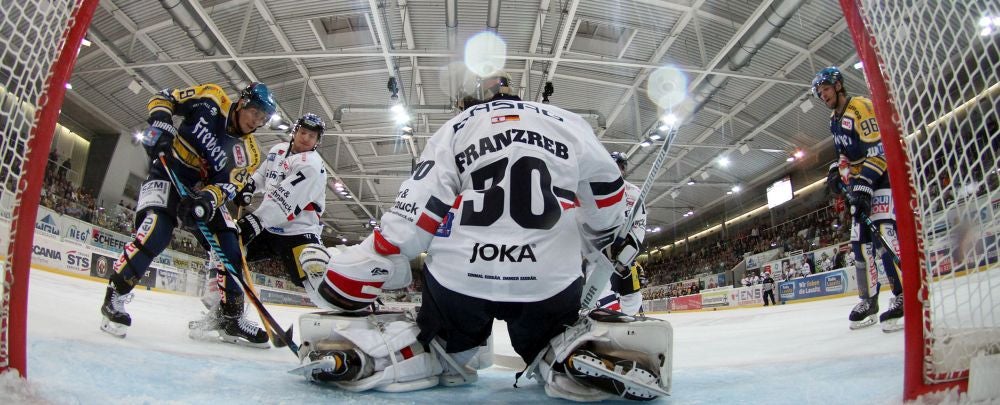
{"points": [[932, 68], [39, 41]]}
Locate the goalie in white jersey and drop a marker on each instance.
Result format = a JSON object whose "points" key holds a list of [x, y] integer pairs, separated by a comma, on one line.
{"points": [[293, 181], [499, 201]]}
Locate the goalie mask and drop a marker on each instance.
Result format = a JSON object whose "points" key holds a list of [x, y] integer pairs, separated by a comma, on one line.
{"points": [[487, 88]]}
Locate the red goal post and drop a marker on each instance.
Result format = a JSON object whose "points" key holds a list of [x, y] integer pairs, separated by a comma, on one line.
{"points": [[39, 42], [931, 67]]}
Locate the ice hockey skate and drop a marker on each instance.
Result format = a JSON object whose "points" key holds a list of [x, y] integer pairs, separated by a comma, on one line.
{"points": [[236, 328], [891, 318], [621, 377], [227, 323], [864, 313], [116, 320]]}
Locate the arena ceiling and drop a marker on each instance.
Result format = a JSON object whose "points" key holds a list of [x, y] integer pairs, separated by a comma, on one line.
{"points": [[747, 63]]}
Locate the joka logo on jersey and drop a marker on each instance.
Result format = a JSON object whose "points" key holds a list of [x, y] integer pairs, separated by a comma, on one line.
{"points": [[489, 252], [847, 123]]}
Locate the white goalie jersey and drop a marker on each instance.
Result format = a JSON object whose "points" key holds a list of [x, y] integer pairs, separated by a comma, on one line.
{"points": [[500, 197], [294, 191]]}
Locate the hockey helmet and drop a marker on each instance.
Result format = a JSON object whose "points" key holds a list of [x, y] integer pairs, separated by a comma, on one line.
{"points": [[620, 159], [259, 96], [310, 121], [829, 75]]}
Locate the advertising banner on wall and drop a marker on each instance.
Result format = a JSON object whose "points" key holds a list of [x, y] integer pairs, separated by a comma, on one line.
{"points": [[817, 285], [47, 252], [110, 241], [75, 231], [169, 280], [101, 265], [752, 295], [757, 260], [47, 223], [715, 299], [686, 302]]}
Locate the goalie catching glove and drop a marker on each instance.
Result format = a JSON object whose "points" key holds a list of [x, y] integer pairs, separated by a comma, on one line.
{"points": [[353, 279]]}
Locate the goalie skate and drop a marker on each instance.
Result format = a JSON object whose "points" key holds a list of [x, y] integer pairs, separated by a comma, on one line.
{"points": [[621, 377]]}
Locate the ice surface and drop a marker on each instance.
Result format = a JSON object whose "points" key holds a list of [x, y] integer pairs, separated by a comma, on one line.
{"points": [[789, 354]]}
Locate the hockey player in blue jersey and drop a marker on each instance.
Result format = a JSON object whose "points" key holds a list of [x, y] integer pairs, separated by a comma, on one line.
{"points": [[858, 142], [213, 153]]}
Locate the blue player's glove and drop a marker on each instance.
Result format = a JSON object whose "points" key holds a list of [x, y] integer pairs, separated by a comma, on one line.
{"points": [[196, 207], [860, 199]]}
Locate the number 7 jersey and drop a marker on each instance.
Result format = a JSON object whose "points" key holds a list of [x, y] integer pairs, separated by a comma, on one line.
{"points": [[500, 199]]}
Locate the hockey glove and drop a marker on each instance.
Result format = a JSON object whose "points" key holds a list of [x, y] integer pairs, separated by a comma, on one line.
{"points": [[158, 138], [244, 196], [194, 208], [250, 227], [860, 199], [622, 252], [833, 180]]}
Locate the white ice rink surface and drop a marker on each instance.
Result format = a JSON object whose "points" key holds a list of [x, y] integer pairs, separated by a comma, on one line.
{"points": [[789, 354]]}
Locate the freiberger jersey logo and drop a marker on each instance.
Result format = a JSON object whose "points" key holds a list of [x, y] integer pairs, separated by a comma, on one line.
{"points": [[239, 155]]}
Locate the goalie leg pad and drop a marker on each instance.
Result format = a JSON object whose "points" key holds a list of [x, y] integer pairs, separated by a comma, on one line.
{"points": [[645, 343], [398, 362]]}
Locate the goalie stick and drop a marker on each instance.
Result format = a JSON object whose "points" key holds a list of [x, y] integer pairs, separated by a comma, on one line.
{"points": [[283, 335], [603, 267]]}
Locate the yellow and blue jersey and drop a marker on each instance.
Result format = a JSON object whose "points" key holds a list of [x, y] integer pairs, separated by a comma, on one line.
{"points": [[856, 136], [204, 149]]}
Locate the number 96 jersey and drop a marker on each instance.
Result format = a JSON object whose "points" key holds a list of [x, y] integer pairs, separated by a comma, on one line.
{"points": [[500, 199], [855, 132]]}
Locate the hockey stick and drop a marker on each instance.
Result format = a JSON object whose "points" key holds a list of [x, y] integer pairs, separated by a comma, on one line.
{"points": [[603, 267], [229, 266], [277, 342], [873, 229]]}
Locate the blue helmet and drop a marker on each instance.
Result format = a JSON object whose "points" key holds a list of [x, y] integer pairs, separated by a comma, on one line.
{"points": [[310, 121], [260, 97], [829, 76]]}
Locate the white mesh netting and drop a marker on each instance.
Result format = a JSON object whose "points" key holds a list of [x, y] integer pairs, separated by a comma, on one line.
{"points": [[940, 61], [31, 36]]}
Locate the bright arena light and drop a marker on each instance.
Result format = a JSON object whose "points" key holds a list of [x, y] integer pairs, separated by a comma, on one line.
{"points": [[724, 161], [485, 53], [667, 86]]}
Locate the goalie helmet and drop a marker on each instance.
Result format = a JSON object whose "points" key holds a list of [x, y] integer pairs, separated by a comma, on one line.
{"points": [[495, 84], [829, 76], [259, 96]]}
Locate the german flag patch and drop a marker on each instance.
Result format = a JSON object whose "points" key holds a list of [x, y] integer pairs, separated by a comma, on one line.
{"points": [[505, 118]]}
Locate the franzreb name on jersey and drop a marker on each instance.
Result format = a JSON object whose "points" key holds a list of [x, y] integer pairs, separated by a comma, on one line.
{"points": [[500, 140]]}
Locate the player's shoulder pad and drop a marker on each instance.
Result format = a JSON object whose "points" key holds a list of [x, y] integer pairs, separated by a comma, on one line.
{"points": [[860, 106], [307, 159], [207, 91]]}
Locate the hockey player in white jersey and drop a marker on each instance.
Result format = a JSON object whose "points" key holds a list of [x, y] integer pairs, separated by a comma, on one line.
{"points": [[293, 181], [623, 292], [499, 201]]}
